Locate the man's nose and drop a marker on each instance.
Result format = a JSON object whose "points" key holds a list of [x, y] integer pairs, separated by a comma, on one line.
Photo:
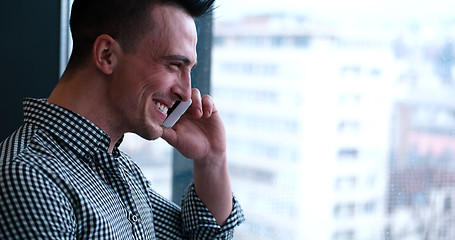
{"points": [[183, 87]]}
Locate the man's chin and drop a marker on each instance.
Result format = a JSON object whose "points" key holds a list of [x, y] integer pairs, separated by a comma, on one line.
{"points": [[152, 134]]}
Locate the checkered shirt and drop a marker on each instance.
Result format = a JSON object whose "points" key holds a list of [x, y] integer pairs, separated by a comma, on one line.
{"points": [[58, 181]]}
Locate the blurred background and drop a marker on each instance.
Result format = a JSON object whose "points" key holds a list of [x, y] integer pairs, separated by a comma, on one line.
{"points": [[340, 117]]}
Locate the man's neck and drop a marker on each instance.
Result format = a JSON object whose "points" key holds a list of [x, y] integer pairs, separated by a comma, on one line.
{"points": [[85, 94]]}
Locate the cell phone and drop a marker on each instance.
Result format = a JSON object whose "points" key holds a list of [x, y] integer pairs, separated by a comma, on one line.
{"points": [[175, 112]]}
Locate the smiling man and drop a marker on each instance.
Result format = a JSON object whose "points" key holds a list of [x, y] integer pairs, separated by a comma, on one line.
{"points": [[62, 175]]}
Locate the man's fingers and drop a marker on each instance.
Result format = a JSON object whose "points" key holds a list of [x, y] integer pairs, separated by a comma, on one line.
{"points": [[208, 106], [196, 106]]}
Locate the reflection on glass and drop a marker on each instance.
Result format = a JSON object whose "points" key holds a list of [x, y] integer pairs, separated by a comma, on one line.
{"points": [[340, 117]]}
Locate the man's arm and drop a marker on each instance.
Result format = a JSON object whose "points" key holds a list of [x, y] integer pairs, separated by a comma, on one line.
{"points": [[193, 220], [212, 185], [31, 206]]}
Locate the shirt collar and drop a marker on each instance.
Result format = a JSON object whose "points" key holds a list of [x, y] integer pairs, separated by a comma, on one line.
{"points": [[77, 132]]}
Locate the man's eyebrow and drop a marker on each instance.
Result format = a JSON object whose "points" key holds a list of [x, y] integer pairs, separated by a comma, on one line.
{"points": [[182, 58]]}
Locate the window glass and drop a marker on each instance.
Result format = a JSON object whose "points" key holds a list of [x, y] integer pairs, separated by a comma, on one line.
{"points": [[340, 116]]}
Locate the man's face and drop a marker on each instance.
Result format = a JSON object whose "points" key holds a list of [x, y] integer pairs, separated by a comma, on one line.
{"points": [[148, 82]]}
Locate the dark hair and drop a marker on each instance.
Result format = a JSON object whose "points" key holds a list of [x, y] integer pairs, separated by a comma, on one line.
{"points": [[124, 20]]}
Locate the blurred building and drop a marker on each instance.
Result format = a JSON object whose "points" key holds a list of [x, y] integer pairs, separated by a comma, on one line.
{"points": [[307, 110], [422, 177]]}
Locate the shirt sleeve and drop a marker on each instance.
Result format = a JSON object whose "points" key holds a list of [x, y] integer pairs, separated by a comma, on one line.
{"points": [[31, 206], [199, 223], [191, 221]]}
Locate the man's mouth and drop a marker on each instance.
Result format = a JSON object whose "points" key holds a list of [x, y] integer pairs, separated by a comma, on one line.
{"points": [[163, 108]]}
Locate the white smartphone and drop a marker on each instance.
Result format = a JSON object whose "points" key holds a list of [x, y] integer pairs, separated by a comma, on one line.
{"points": [[175, 112]]}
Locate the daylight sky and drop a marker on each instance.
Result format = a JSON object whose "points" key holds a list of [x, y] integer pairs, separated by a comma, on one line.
{"points": [[345, 10]]}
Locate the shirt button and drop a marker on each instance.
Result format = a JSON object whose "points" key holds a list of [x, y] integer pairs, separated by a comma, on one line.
{"points": [[132, 217], [88, 157]]}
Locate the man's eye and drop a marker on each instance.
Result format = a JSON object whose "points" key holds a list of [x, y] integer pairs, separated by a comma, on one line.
{"points": [[175, 65]]}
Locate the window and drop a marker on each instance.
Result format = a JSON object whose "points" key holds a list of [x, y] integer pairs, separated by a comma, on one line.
{"points": [[348, 154], [344, 235], [344, 210], [372, 113], [346, 183]]}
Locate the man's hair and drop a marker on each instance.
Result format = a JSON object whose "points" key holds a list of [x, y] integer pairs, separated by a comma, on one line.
{"points": [[124, 20]]}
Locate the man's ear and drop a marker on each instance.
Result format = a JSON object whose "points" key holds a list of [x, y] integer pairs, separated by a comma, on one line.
{"points": [[105, 53]]}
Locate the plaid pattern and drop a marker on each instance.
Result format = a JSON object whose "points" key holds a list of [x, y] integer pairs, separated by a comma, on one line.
{"points": [[57, 181]]}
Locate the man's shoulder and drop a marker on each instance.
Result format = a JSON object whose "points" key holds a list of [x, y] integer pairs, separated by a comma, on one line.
{"points": [[31, 153], [25, 144], [13, 145]]}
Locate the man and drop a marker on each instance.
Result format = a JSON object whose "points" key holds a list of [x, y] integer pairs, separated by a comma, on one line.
{"points": [[62, 175]]}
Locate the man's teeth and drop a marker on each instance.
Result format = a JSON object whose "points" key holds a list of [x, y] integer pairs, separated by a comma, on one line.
{"points": [[162, 107]]}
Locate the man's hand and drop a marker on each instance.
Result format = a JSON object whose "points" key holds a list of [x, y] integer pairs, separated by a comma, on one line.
{"points": [[200, 135]]}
